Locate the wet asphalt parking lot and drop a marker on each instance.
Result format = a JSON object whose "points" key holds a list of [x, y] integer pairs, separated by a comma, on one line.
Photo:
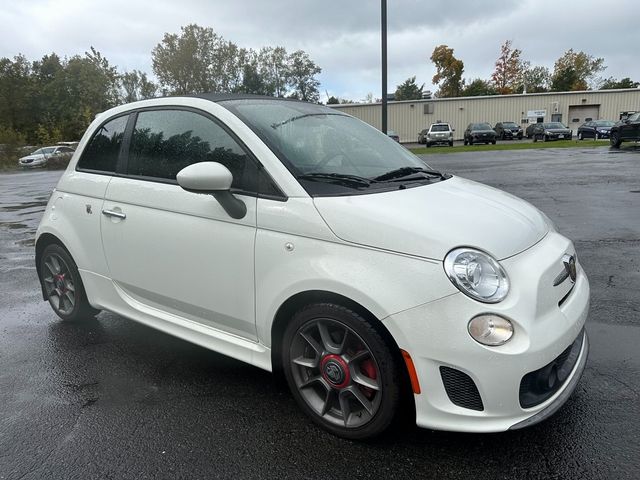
{"points": [[112, 399]]}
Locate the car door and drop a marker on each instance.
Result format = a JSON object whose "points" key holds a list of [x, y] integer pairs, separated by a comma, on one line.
{"points": [[176, 251], [632, 129]]}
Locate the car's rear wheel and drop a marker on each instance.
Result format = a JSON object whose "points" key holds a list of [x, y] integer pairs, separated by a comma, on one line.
{"points": [[428, 145], [615, 140], [341, 371], [63, 285], [451, 143]]}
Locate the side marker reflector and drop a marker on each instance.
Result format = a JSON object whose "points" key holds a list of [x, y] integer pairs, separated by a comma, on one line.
{"points": [[411, 369]]}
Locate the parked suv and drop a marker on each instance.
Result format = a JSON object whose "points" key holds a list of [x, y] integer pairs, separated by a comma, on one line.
{"points": [[625, 130], [508, 130], [479, 133], [299, 239], [437, 134]]}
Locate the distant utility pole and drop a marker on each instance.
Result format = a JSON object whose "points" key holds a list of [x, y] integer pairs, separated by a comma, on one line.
{"points": [[384, 64]]}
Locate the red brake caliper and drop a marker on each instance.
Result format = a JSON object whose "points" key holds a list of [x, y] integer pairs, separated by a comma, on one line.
{"points": [[368, 368]]}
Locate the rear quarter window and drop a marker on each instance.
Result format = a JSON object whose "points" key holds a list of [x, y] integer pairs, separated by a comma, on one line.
{"points": [[102, 151]]}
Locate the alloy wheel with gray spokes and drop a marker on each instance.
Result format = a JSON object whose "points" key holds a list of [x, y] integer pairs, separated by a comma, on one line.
{"points": [[58, 284], [340, 371], [62, 284]]}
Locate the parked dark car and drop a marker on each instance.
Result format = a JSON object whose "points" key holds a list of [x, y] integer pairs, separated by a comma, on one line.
{"points": [[508, 130], [625, 130], [548, 131], [595, 129], [393, 135], [479, 133], [529, 130]]}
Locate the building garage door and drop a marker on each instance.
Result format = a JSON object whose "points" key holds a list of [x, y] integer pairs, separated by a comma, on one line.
{"points": [[578, 114]]}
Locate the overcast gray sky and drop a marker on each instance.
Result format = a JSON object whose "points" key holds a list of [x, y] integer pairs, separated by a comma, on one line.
{"points": [[343, 37]]}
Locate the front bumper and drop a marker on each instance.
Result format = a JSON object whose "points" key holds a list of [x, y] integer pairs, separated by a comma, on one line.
{"points": [[546, 319]]}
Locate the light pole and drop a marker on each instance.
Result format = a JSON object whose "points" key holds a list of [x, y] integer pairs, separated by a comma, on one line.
{"points": [[384, 64]]}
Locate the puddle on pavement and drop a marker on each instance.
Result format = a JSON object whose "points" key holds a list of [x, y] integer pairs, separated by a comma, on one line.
{"points": [[14, 225], [23, 206]]}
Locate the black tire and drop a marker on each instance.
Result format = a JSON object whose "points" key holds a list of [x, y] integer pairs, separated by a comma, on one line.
{"points": [[64, 290], [535, 138], [545, 138], [520, 137], [451, 143], [428, 145], [386, 399], [615, 140], [493, 142], [580, 136], [465, 142], [471, 141]]}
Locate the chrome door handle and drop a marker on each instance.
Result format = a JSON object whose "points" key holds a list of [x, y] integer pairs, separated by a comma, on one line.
{"points": [[111, 213]]}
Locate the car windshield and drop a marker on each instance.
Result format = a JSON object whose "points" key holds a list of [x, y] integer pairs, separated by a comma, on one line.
{"points": [[553, 125], [480, 126], [312, 139], [510, 125], [440, 128], [634, 117], [603, 123], [44, 151]]}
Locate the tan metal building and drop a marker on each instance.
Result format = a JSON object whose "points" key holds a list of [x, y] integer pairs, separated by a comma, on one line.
{"points": [[409, 117]]}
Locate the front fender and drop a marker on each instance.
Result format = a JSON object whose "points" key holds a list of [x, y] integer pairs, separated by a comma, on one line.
{"points": [[382, 282]]}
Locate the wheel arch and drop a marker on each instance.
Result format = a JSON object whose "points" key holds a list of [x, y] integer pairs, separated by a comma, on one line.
{"points": [[43, 242], [302, 299]]}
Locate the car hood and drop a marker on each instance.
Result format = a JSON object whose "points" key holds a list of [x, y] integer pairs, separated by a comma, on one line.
{"points": [[32, 157], [428, 221]]}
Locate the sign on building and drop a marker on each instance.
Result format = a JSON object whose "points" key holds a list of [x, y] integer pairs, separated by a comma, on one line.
{"points": [[536, 113]]}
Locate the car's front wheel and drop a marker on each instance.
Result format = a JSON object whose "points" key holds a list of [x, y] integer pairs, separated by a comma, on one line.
{"points": [[580, 136], [341, 371], [63, 285], [615, 140]]}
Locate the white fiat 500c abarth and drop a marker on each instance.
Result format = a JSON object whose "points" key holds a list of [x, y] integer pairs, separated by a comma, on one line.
{"points": [[303, 241]]}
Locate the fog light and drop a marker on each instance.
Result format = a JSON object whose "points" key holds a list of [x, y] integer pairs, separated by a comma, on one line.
{"points": [[491, 330]]}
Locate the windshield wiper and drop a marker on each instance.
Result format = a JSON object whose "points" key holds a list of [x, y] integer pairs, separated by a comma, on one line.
{"points": [[293, 119], [402, 172], [339, 178]]}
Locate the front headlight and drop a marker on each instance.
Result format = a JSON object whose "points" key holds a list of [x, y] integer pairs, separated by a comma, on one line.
{"points": [[477, 275]]}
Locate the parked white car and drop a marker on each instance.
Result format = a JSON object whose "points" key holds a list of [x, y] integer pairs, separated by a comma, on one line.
{"points": [[302, 240], [40, 157], [439, 134]]}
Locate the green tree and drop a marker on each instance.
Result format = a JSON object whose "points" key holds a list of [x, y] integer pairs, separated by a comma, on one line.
{"points": [[16, 93], [252, 80], [333, 100], [478, 87], [183, 63], [136, 86], [574, 71], [509, 67], [535, 80], [301, 76], [272, 62], [612, 84], [409, 90], [449, 72]]}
